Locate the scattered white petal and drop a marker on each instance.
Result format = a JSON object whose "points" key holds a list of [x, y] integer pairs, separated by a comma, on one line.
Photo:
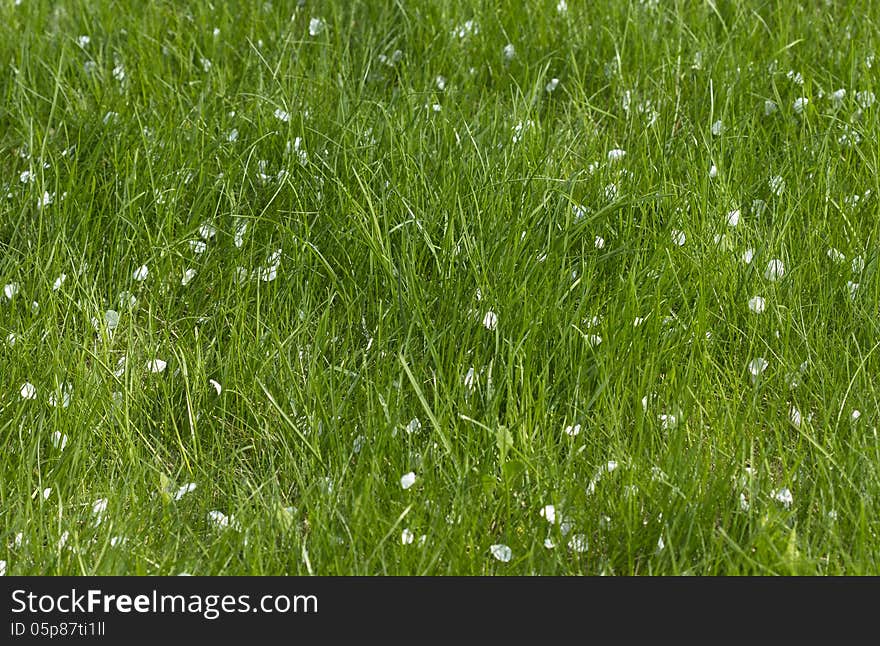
{"points": [[282, 115], [747, 256], [678, 238], [716, 128], [407, 537], [198, 246], [413, 426], [10, 290], [578, 543], [775, 270], [769, 107], [59, 441], [156, 365], [185, 489], [858, 265], [188, 275], [757, 366], [548, 512], [28, 391], [59, 282], [800, 104], [733, 218], [219, 519], [616, 154], [667, 421], [573, 431], [216, 385], [856, 414], [552, 85], [207, 231], [777, 185], [2, 568], [407, 480], [316, 26], [47, 492], [62, 540], [140, 274], [783, 496], [65, 396], [599, 242], [509, 52], [794, 415], [490, 320], [501, 552], [713, 171], [757, 304], [835, 255]]}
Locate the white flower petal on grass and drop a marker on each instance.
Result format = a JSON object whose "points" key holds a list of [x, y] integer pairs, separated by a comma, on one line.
{"points": [[64, 398], [837, 97], [716, 128], [552, 85], [856, 414], [616, 154], [111, 319], [661, 544], [713, 171], [578, 543], [573, 431], [218, 519], [28, 391], [853, 288], [501, 552], [757, 304], [316, 26], [757, 366], [47, 492], [548, 512], [240, 230], [509, 52], [185, 489], [783, 496], [407, 480], [769, 107], [207, 231], [747, 256], [593, 340], [216, 385], [800, 104], [407, 537], [733, 218], [59, 441], [140, 274], [414, 426], [777, 185], [599, 242], [282, 115], [470, 379], [775, 270], [865, 99], [835, 255], [561, 6], [10, 290], [490, 320], [59, 282], [795, 417], [156, 365], [858, 265], [667, 421], [198, 247], [118, 541], [2, 568], [678, 238], [98, 509], [188, 275]]}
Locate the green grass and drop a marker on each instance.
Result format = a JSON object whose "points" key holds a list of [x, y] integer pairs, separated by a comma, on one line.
{"points": [[397, 227]]}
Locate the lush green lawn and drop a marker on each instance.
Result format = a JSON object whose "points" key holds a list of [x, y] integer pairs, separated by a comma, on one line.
{"points": [[294, 255]]}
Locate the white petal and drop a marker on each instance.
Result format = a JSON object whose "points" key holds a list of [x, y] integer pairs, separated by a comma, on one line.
{"points": [[140, 274], [28, 391], [407, 480], [156, 365], [501, 552]]}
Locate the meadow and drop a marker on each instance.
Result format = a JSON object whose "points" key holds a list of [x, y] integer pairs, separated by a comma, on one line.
{"points": [[439, 288]]}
